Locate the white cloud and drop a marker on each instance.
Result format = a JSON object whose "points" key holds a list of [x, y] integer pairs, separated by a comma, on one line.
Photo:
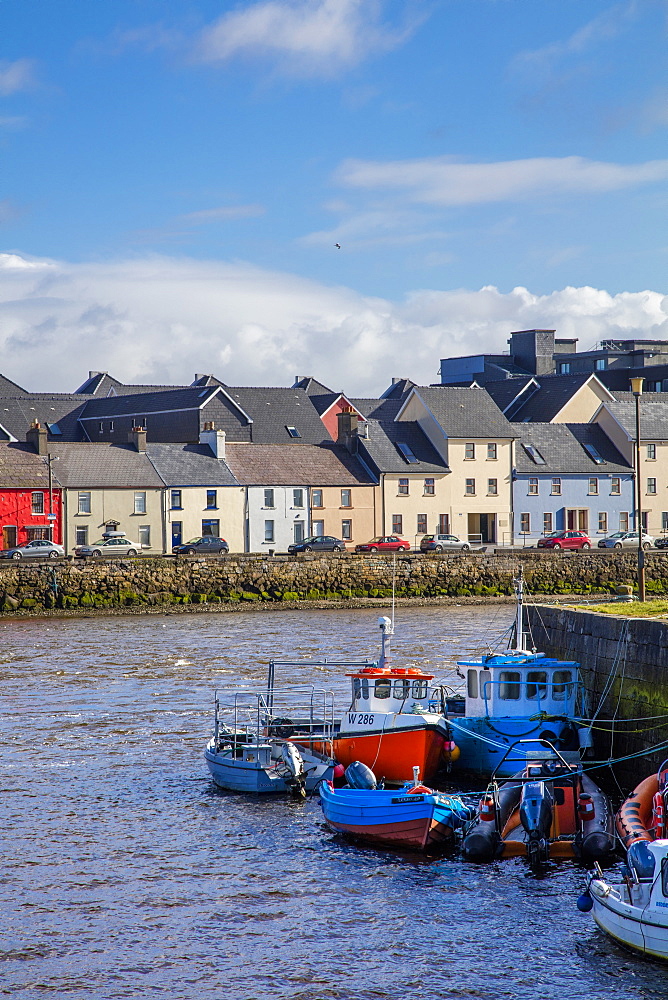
{"points": [[302, 37], [445, 180], [598, 31], [17, 75], [161, 319]]}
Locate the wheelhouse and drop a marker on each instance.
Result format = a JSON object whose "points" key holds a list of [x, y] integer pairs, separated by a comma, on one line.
{"points": [[390, 690], [520, 684]]}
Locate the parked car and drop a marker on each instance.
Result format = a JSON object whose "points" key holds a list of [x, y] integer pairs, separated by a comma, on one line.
{"points": [[318, 543], [384, 543], [40, 548], [113, 546], [202, 545], [661, 543], [441, 543], [626, 540], [565, 540]]}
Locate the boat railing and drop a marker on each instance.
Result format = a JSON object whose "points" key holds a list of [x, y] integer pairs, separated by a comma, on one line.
{"points": [[251, 718]]}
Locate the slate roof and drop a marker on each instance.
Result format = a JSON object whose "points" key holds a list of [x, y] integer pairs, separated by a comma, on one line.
{"points": [[286, 465], [11, 388], [562, 447], [647, 397], [381, 452], [465, 412], [18, 412], [379, 409], [188, 398], [311, 386], [272, 410], [653, 419], [21, 468], [189, 465], [505, 391], [88, 466], [552, 395], [398, 389]]}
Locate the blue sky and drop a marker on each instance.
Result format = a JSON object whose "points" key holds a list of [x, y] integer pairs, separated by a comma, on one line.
{"points": [[175, 179]]}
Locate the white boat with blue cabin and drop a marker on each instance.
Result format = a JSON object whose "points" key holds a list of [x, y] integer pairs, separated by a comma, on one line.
{"points": [[517, 695]]}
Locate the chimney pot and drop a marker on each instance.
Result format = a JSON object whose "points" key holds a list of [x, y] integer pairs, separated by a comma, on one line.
{"points": [[37, 437]]}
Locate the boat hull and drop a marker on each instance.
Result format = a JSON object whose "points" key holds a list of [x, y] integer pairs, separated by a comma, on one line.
{"points": [[642, 929], [483, 741], [236, 775], [416, 822], [393, 751]]}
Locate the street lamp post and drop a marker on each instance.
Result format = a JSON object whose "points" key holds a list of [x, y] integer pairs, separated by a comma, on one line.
{"points": [[636, 389]]}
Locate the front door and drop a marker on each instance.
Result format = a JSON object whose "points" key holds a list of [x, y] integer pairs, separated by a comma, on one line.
{"points": [[299, 531], [9, 536], [177, 532]]}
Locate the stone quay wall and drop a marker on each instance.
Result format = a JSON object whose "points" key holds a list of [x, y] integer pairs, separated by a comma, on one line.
{"points": [[97, 583], [624, 663]]}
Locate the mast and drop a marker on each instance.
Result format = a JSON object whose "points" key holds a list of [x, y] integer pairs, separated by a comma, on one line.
{"points": [[519, 594]]}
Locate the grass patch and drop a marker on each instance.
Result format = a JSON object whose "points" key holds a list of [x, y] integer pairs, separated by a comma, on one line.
{"points": [[628, 609]]}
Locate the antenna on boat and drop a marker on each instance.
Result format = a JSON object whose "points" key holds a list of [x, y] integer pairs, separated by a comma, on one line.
{"points": [[519, 594], [386, 626]]}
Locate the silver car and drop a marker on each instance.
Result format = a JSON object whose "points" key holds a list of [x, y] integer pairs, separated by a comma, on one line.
{"points": [[626, 540], [443, 543], [40, 548], [111, 547]]}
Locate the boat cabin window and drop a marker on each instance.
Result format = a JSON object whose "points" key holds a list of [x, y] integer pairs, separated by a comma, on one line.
{"points": [[664, 876], [485, 680], [419, 689], [472, 683], [536, 684], [383, 688], [402, 689], [360, 687], [509, 685], [561, 684]]}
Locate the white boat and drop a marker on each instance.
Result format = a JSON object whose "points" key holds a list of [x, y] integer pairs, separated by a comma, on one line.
{"points": [[242, 757], [632, 908]]}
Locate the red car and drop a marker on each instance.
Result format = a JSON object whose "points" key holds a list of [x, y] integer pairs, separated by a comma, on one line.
{"points": [[565, 540], [384, 543]]}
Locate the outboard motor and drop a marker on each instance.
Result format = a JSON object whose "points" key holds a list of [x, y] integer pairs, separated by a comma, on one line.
{"points": [[536, 805], [641, 859], [358, 775], [296, 776]]}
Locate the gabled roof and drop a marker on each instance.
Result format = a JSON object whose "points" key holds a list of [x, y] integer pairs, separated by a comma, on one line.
{"points": [[204, 380], [508, 391], [284, 465], [647, 397], [11, 388], [161, 401], [99, 384], [189, 465], [399, 389], [552, 394], [564, 449], [380, 449], [21, 468], [378, 409], [62, 409], [88, 466], [464, 413], [311, 386], [273, 410], [653, 419]]}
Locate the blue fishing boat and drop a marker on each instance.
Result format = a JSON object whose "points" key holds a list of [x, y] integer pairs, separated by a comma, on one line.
{"points": [[518, 695], [414, 816]]}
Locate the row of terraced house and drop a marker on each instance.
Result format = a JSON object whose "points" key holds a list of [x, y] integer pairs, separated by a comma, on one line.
{"points": [[498, 460]]}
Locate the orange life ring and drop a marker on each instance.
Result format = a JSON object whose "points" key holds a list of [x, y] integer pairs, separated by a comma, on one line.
{"points": [[420, 790]]}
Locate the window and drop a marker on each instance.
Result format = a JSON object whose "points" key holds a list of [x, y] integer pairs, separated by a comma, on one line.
{"points": [[145, 536], [536, 684], [469, 451], [615, 486], [547, 523], [429, 487], [664, 520], [470, 488], [533, 487], [525, 524], [101, 427], [176, 500], [318, 528], [651, 452], [269, 500], [293, 432], [81, 534], [297, 498], [509, 685], [37, 503], [211, 527], [593, 453], [397, 524], [211, 499], [383, 688], [534, 454], [83, 503], [601, 364], [472, 683], [561, 685], [651, 485], [346, 498], [623, 520], [268, 531], [140, 502], [603, 521], [593, 486], [492, 487], [419, 689], [556, 487], [316, 498], [403, 487], [444, 524], [565, 368], [422, 524], [491, 451], [346, 529], [402, 689], [406, 452], [111, 425]]}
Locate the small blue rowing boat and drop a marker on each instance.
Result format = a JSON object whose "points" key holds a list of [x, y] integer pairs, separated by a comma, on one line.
{"points": [[413, 817]]}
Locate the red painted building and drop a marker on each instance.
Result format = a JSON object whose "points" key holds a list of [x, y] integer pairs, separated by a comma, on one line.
{"points": [[30, 502]]}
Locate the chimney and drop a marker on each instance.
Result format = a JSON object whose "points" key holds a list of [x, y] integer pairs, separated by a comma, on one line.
{"points": [[347, 430], [137, 437], [36, 436], [215, 439]]}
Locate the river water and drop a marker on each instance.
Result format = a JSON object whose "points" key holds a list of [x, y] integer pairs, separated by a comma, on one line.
{"points": [[126, 874]]}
